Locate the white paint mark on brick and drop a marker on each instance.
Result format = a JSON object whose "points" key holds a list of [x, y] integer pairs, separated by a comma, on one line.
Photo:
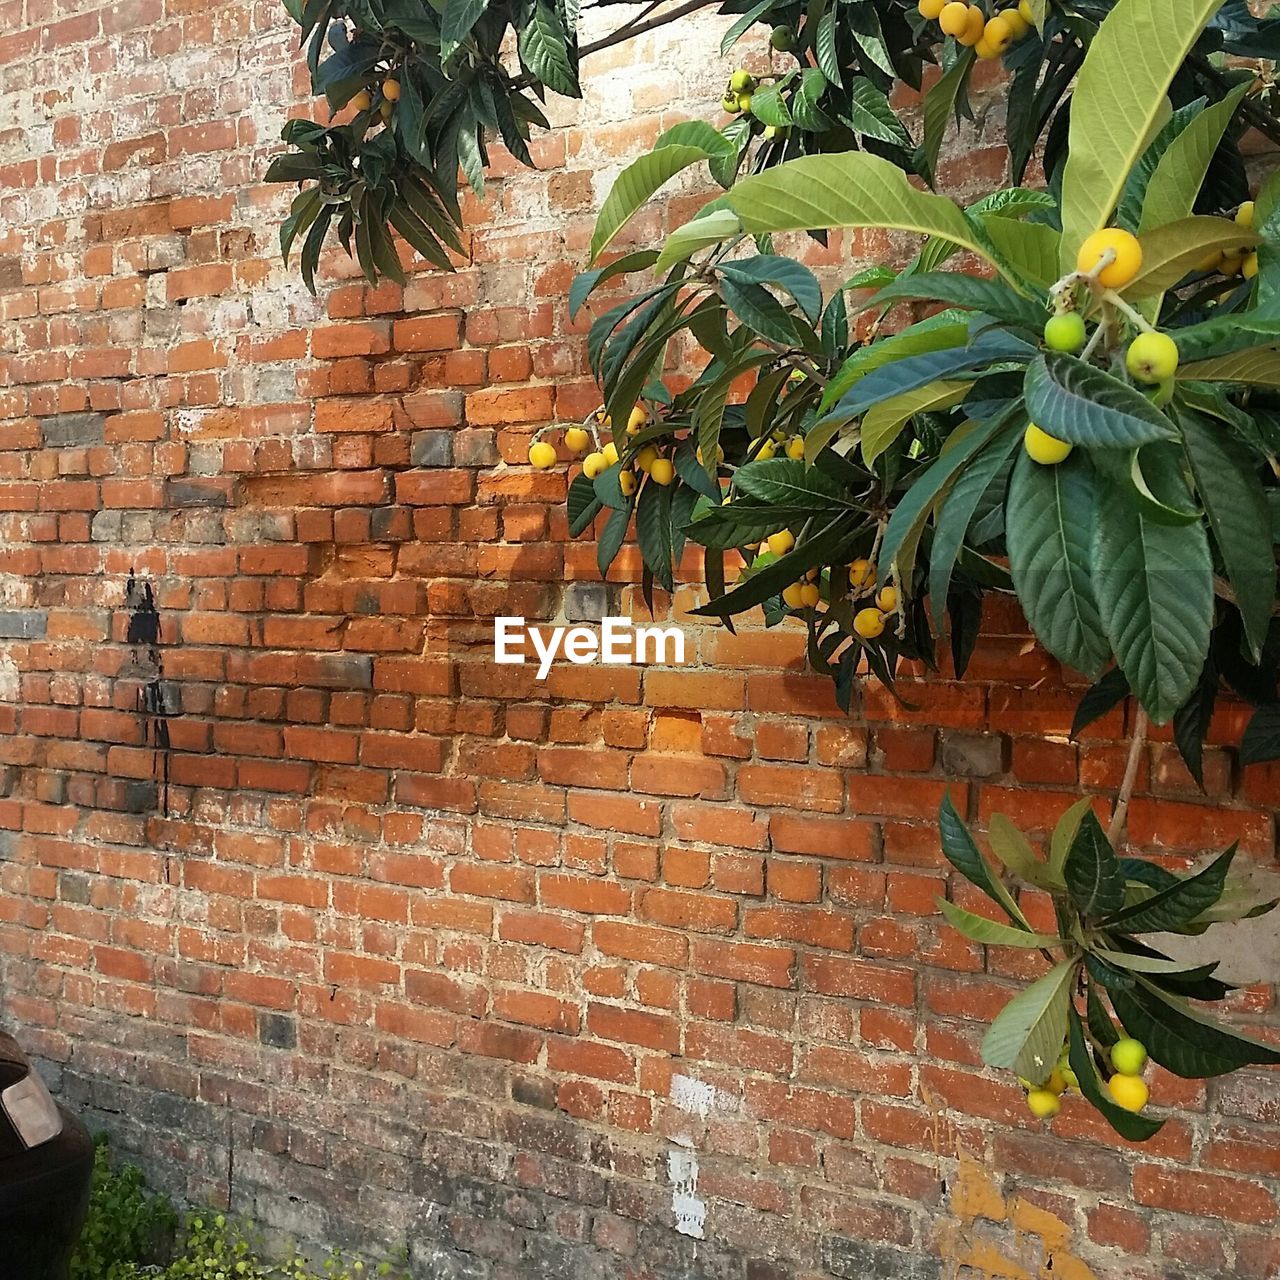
{"points": [[690, 1212], [10, 680], [698, 1098]]}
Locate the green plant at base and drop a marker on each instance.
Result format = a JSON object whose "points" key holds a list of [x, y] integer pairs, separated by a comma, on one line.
{"points": [[1103, 904]]}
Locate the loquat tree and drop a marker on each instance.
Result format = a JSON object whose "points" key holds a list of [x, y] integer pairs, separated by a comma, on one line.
{"points": [[1089, 420]]}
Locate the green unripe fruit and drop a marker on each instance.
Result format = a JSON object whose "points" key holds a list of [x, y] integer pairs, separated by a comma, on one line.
{"points": [[1161, 393], [1129, 1056], [1152, 357], [1065, 332], [744, 103], [730, 103], [783, 39], [742, 81]]}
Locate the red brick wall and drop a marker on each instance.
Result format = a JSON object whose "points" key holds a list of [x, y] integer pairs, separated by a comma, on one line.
{"points": [[395, 942]]}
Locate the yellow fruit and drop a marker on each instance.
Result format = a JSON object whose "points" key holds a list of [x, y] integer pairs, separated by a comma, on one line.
{"points": [[646, 457], [742, 81], [1130, 1092], [719, 454], [985, 51], [627, 483], [593, 464], [1057, 1082], [977, 25], [1232, 262], [391, 90], [1249, 267], [766, 451], [1152, 357], [795, 448], [542, 455], [868, 623], [1129, 1056], [577, 439], [662, 472], [931, 8], [744, 103], [782, 542], [1126, 257], [730, 103], [1015, 22], [810, 593], [954, 18], [1026, 12], [862, 573], [887, 599], [793, 596], [1244, 214], [638, 420], [1043, 448], [362, 101], [610, 452], [386, 109], [1043, 1104], [998, 32]]}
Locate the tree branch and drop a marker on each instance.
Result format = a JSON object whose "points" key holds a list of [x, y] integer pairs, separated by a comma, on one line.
{"points": [[1121, 812]]}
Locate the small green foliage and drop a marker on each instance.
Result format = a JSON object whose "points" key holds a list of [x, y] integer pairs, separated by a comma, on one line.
{"points": [[132, 1234]]}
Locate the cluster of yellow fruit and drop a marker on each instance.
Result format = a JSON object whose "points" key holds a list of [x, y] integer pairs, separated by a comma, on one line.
{"points": [[1126, 1086], [792, 446], [737, 96], [987, 37], [578, 440], [1111, 258], [363, 100], [1236, 262]]}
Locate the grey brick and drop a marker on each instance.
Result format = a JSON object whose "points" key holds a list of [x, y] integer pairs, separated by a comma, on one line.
{"points": [[277, 1030], [23, 624], [66, 429], [861, 1260], [195, 493], [432, 449], [107, 526], [587, 601], [141, 797], [973, 755]]}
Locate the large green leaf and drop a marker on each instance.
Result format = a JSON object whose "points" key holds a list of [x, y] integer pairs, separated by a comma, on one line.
{"points": [[635, 185], [1117, 105], [992, 933], [713, 225], [939, 107], [544, 49], [1259, 366], [1180, 171], [960, 850], [786, 273], [1064, 836], [1154, 585], [1173, 251], [1236, 504], [1080, 404], [1169, 910], [1029, 247], [1127, 1124], [1027, 1034], [1261, 741], [787, 481], [653, 531], [1015, 851], [973, 293], [852, 189], [1049, 519], [458, 18], [1092, 871], [883, 423]]}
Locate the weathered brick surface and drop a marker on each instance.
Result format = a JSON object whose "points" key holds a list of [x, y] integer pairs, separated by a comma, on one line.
{"points": [[392, 942]]}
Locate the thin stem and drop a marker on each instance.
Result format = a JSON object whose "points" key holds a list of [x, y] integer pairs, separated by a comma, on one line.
{"points": [[636, 27], [1138, 321], [1136, 743]]}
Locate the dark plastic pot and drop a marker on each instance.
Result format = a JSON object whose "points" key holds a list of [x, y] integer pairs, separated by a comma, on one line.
{"points": [[46, 1166]]}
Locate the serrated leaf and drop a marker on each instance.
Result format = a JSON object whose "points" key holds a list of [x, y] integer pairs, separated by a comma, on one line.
{"points": [[545, 51], [992, 297], [611, 538], [1257, 366], [653, 531], [1080, 404], [1028, 1033], [786, 480], [582, 505], [1031, 248], [1049, 531], [1092, 871], [871, 115], [1117, 106], [711, 227], [785, 273], [884, 422], [959, 849], [1154, 586]]}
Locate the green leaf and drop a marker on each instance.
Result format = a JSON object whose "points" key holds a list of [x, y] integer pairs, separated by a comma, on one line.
{"points": [[1168, 911], [544, 50], [1015, 851], [456, 23], [1080, 404], [1092, 871], [1128, 1124], [1064, 836], [870, 114], [1180, 172], [583, 505], [1191, 722], [1105, 693], [938, 109], [960, 850], [586, 282], [1261, 741], [785, 273], [1184, 1041], [707, 229], [635, 185], [1049, 520], [1259, 366], [1028, 1033], [1236, 503], [1154, 585], [743, 25], [653, 531], [884, 422], [852, 189], [768, 107], [1117, 105], [992, 297], [990, 932], [1031, 248], [787, 481], [611, 538], [1173, 251]]}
